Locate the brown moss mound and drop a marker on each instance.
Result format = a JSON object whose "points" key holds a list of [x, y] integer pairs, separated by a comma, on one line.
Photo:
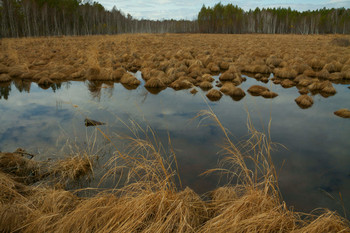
{"points": [[181, 84], [5, 78], [342, 42], [257, 90], [214, 95], [93, 73], [213, 67], [344, 113], [310, 73], [303, 91], [269, 94], [287, 83], [257, 68], [323, 74], [205, 85], [273, 61], [346, 74], [305, 81], [334, 66], [324, 86], [130, 80], [207, 77], [304, 101], [193, 91], [316, 63], [224, 65], [118, 74], [300, 67], [335, 76], [227, 76], [285, 72], [231, 90], [155, 83], [328, 88]]}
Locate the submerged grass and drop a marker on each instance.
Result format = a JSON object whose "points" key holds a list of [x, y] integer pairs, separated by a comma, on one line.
{"points": [[148, 196]]}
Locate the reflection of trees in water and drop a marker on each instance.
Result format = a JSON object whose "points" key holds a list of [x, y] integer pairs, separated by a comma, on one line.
{"points": [[67, 85], [5, 89], [22, 85], [95, 88], [53, 86], [56, 86]]}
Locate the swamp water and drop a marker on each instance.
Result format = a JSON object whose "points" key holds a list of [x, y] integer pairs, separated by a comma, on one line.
{"points": [[313, 170]]}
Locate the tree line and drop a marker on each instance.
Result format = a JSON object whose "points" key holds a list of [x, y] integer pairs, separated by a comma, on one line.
{"points": [[76, 17], [22, 18], [233, 19]]}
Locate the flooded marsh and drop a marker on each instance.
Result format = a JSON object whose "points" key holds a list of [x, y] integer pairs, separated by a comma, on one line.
{"points": [[294, 88]]}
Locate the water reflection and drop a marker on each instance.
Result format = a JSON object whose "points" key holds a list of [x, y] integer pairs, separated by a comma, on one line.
{"points": [[5, 89], [22, 85], [317, 159]]}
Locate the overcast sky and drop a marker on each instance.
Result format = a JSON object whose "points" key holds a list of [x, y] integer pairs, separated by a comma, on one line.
{"points": [[188, 9]]}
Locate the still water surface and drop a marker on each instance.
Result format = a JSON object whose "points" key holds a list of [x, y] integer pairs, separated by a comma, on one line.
{"points": [[316, 161]]}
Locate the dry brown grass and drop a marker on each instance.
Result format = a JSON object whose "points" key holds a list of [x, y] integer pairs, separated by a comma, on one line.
{"points": [[20, 168], [72, 168], [343, 42]]}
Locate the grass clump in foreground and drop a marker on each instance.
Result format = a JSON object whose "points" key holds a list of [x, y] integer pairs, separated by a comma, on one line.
{"points": [[148, 198]]}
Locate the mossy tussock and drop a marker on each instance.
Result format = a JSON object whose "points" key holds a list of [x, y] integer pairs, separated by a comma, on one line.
{"points": [[5, 78], [344, 113], [304, 101], [231, 90], [101, 58], [129, 80], [214, 95]]}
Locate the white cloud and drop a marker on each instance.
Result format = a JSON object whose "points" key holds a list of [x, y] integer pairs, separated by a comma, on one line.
{"points": [[183, 9]]}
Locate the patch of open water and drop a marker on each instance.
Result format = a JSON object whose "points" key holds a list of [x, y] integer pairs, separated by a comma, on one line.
{"points": [[316, 161]]}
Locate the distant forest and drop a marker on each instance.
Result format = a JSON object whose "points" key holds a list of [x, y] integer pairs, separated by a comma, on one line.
{"points": [[233, 19], [75, 17], [21, 18]]}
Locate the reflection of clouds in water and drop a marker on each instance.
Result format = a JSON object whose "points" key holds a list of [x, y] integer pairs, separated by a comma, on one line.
{"points": [[317, 140]]}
